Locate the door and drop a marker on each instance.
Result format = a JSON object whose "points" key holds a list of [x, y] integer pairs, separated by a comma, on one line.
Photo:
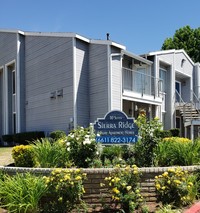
{"points": [[178, 91]]}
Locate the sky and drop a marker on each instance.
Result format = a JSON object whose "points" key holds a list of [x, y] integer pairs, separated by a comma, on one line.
{"points": [[140, 25]]}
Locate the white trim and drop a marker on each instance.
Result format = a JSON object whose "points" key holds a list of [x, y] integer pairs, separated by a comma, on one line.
{"points": [[6, 116], [164, 52], [139, 58], [182, 73], [107, 42], [57, 34], [3, 102], [121, 84], [109, 79], [11, 31], [133, 96], [74, 83], [18, 83]]}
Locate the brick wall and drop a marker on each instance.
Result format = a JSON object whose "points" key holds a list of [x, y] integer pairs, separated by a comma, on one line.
{"points": [[94, 193]]}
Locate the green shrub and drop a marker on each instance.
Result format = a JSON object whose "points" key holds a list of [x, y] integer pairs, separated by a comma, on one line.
{"points": [[49, 153], [7, 138], [177, 151], [163, 133], [175, 132], [111, 152], [22, 193], [23, 156], [176, 187], [197, 174], [82, 147], [27, 137], [148, 141], [65, 190], [128, 154], [57, 134], [123, 185]]}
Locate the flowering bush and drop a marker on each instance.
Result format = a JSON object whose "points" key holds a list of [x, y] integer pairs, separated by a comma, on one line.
{"points": [[148, 140], [177, 140], [23, 156], [176, 187], [81, 146], [123, 184], [65, 189], [177, 151]]}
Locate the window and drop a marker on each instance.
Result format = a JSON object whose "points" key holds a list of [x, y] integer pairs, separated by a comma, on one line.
{"points": [[163, 77], [178, 91], [142, 81], [13, 102]]}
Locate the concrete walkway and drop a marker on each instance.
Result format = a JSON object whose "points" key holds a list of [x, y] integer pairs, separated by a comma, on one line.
{"points": [[193, 209]]}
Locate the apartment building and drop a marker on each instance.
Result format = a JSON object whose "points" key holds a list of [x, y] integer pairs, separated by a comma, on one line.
{"points": [[53, 81]]}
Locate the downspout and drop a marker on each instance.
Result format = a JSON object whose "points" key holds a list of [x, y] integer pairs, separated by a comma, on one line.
{"points": [[74, 84], [173, 94]]}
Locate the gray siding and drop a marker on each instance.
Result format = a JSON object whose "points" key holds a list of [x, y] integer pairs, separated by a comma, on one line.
{"points": [[196, 80], [98, 62], [1, 101], [49, 67], [82, 83], [8, 54], [8, 47]]}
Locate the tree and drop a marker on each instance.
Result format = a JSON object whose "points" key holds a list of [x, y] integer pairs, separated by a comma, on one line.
{"points": [[185, 38]]}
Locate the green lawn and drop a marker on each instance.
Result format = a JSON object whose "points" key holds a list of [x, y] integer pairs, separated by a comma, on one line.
{"points": [[5, 156]]}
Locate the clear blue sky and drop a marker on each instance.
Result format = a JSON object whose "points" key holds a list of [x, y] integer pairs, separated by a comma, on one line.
{"points": [[140, 25]]}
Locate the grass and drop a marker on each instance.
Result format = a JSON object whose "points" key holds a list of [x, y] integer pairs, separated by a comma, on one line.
{"points": [[5, 156]]}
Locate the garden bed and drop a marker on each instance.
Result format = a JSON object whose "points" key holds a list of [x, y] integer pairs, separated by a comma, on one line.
{"points": [[93, 191]]}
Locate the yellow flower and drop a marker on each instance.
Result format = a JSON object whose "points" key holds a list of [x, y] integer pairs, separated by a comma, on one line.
{"points": [[67, 177], [123, 184], [115, 190], [165, 174], [102, 184], [117, 179], [163, 188], [60, 199], [83, 190], [129, 188], [137, 191], [78, 177], [190, 184], [157, 186], [116, 198]]}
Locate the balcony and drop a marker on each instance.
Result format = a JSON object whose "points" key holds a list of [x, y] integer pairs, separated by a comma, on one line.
{"points": [[142, 84]]}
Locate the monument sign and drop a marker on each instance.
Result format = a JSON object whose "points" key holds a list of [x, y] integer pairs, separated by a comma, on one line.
{"points": [[116, 128]]}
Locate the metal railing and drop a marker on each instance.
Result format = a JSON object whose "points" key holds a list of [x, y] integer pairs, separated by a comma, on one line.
{"points": [[142, 83], [195, 100]]}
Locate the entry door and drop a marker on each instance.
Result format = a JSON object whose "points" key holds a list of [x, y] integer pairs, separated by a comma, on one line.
{"points": [[178, 91]]}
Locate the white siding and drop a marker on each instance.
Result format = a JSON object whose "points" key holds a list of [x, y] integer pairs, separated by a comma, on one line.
{"points": [[116, 82]]}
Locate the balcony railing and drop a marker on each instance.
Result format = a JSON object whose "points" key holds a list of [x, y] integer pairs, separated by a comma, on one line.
{"points": [[142, 83]]}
